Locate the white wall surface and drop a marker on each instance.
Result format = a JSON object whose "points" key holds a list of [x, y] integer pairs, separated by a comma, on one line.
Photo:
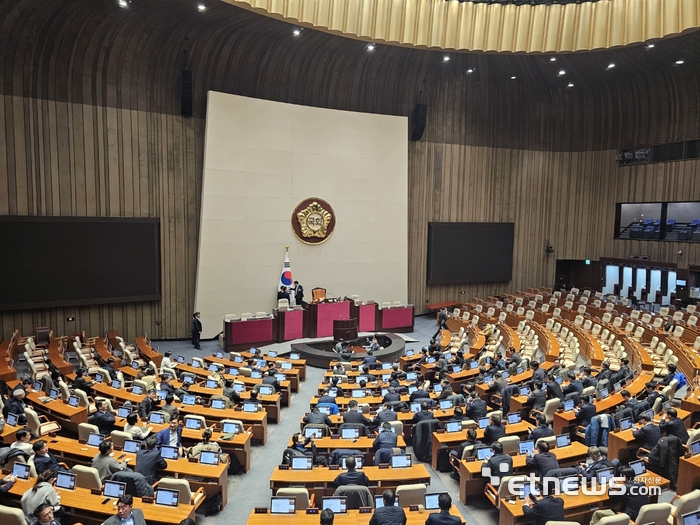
{"points": [[261, 159]]}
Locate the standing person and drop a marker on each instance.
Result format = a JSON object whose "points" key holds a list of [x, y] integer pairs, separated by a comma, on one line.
{"points": [[283, 294], [196, 330], [443, 316], [299, 294]]}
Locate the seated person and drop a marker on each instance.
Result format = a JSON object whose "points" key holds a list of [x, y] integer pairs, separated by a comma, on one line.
{"points": [[105, 464], [544, 508], [388, 514], [316, 417], [597, 461], [353, 415], [542, 461], [647, 433], [495, 430], [542, 430], [476, 407], [500, 465], [132, 427], [423, 414], [352, 476], [443, 517], [303, 447], [386, 438], [206, 445]]}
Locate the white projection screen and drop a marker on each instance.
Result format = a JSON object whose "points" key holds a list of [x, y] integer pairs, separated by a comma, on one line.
{"points": [[261, 159]]}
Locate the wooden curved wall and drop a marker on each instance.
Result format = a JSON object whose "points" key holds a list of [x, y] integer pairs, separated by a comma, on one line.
{"points": [[90, 107]]}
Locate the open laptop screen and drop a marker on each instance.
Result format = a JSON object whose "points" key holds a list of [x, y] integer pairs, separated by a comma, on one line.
{"points": [[338, 504], [114, 489], [379, 501], [431, 500], [168, 497], [65, 480], [282, 505]]}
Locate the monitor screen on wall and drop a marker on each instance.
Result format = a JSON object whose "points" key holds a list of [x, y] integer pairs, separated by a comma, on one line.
{"points": [[64, 261], [470, 252]]}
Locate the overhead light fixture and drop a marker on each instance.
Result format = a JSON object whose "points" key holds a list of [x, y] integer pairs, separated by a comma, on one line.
{"points": [[201, 7], [122, 3], [296, 32], [446, 58], [680, 62], [370, 47], [553, 59], [650, 46], [562, 72], [513, 77], [470, 70], [611, 65], [570, 85]]}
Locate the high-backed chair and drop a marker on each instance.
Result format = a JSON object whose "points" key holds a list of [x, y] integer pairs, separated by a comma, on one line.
{"points": [[236, 422], [318, 295], [186, 497], [358, 496], [85, 429], [11, 516], [617, 519], [119, 436], [87, 477], [656, 513], [497, 495], [510, 444], [40, 425], [413, 494], [300, 494], [684, 504]]}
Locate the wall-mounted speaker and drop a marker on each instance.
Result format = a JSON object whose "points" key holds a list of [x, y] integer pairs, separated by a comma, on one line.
{"points": [[186, 92], [420, 117]]}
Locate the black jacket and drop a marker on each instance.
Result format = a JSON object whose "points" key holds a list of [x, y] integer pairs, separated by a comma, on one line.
{"points": [[540, 432], [443, 518], [494, 463], [385, 416], [390, 398], [351, 477], [542, 463], [648, 436], [388, 516], [675, 427], [104, 421], [318, 418], [554, 390], [477, 409], [629, 503], [586, 413], [353, 416], [538, 398], [419, 394], [546, 509], [422, 415], [493, 433]]}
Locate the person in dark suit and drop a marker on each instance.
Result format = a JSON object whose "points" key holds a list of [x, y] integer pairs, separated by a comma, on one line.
{"points": [[388, 514], [283, 294], [385, 415], [553, 389], [470, 442], [650, 393], [104, 419], [148, 404], [538, 396], [316, 417], [542, 430], [149, 461], [391, 395], [369, 359], [109, 366], [418, 394], [542, 460], [476, 407], [171, 436], [353, 415], [672, 425], [538, 374], [499, 465], [423, 414], [352, 476], [327, 397], [587, 378], [196, 330], [443, 316], [586, 412], [632, 499], [544, 509], [574, 386], [498, 384], [605, 372], [628, 400], [443, 517], [385, 438], [271, 380], [43, 460], [598, 461], [298, 294], [81, 383], [231, 393], [494, 431], [648, 434]]}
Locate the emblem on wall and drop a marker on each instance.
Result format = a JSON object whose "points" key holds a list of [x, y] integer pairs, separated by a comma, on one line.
{"points": [[313, 221]]}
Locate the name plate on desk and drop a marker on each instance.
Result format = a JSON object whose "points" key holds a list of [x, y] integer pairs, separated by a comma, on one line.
{"points": [[193, 460], [366, 510], [469, 460], [335, 436], [147, 499], [284, 467], [260, 510], [383, 466], [311, 510], [440, 431], [413, 508], [333, 467], [371, 436], [96, 492]]}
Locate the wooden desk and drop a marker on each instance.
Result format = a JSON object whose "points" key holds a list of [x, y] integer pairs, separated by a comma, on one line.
{"points": [[471, 483], [215, 476], [256, 420], [293, 375], [563, 420], [353, 517], [104, 353], [452, 440], [363, 443], [56, 410], [296, 363], [271, 403], [56, 347], [147, 351], [688, 475], [92, 509]]}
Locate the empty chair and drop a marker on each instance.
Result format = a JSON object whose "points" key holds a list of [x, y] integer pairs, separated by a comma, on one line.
{"points": [[300, 494], [11, 516], [502, 317], [87, 477], [545, 308], [510, 444], [578, 320], [413, 494], [678, 332], [657, 513], [629, 327], [582, 309], [119, 436], [283, 303], [556, 312], [233, 317], [530, 315], [646, 318], [520, 311], [684, 504], [85, 429], [245, 316], [638, 333], [261, 314], [663, 311], [692, 321], [499, 494], [658, 322], [187, 497], [40, 425], [617, 519]]}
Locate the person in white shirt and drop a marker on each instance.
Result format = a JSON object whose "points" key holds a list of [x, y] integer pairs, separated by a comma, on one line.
{"points": [[136, 431], [167, 362]]}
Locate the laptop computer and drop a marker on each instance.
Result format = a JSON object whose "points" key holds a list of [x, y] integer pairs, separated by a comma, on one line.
{"points": [[196, 364], [379, 501], [401, 461], [568, 405], [98, 378], [65, 480], [484, 453], [409, 353], [415, 407], [168, 452], [483, 422], [167, 497], [692, 518], [255, 374], [313, 432], [563, 440], [514, 417], [283, 505], [239, 387], [73, 401], [519, 370], [453, 426], [338, 504], [445, 404], [220, 404], [524, 391], [437, 388], [211, 384], [639, 467], [209, 457], [358, 462], [294, 356], [266, 390], [626, 423], [286, 365], [247, 407], [525, 447], [137, 389], [158, 419], [193, 424], [230, 428], [189, 400], [603, 475], [180, 359], [12, 419], [695, 448], [456, 369], [302, 463], [411, 376], [123, 412], [350, 433], [187, 380], [94, 440], [21, 470], [430, 500], [114, 489], [358, 393], [411, 389]]}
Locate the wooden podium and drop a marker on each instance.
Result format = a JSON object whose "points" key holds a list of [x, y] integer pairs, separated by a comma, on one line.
{"points": [[345, 329]]}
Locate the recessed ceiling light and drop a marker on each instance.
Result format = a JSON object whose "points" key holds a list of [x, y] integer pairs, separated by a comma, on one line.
{"points": [[553, 59], [570, 85], [513, 77], [470, 70], [122, 3], [296, 32], [562, 72], [611, 65], [370, 47], [445, 58], [650, 46], [201, 7], [679, 62]]}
